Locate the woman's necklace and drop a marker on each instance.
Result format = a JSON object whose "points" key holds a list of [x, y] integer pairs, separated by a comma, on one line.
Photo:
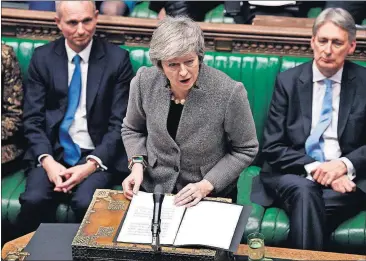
{"points": [[177, 101]]}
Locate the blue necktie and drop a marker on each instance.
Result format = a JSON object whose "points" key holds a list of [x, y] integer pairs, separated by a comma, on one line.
{"points": [[315, 143], [72, 151]]}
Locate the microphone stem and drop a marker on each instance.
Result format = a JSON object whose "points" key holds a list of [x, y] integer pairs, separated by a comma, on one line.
{"points": [[156, 243]]}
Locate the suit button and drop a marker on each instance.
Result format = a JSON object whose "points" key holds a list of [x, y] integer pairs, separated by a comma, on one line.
{"points": [[176, 168], [175, 150]]}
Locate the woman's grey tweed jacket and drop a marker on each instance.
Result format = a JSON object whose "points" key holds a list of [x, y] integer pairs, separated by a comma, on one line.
{"points": [[216, 137]]}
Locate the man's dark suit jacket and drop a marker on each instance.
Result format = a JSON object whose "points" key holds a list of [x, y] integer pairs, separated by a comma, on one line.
{"points": [[46, 98], [289, 124]]}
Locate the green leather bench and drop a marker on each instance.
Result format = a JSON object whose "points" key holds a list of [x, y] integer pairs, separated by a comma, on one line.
{"points": [[257, 72]]}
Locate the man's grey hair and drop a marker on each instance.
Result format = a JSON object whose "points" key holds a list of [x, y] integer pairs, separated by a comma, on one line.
{"points": [[340, 18], [59, 3], [174, 37]]}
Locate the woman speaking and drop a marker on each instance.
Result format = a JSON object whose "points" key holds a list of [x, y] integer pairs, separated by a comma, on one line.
{"points": [[188, 126]]}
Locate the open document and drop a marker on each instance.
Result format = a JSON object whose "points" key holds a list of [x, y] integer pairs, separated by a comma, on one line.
{"points": [[136, 226], [210, 223]]}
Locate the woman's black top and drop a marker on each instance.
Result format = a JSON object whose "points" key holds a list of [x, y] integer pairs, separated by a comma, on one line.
{"points": [[175, 112]]}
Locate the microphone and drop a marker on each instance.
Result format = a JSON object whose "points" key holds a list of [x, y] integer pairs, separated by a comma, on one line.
{"points": [[158, 197]]}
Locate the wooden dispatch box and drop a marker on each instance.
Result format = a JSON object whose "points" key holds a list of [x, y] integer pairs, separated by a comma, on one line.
{"points": [[95, 237]]}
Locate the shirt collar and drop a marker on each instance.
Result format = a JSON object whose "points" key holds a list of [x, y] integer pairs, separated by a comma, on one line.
{"points": [[84, 54], [318, 76]]}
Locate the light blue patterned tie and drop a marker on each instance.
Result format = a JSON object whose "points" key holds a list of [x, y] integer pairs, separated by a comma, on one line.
{"points": [[314, 144], [72, 151]]}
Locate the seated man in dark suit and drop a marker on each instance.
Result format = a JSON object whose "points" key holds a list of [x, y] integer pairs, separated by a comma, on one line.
{"points": [[314, 141], [75, 99]]}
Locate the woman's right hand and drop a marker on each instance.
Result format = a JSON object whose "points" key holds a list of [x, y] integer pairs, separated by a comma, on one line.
{"points": [[131, 184]]}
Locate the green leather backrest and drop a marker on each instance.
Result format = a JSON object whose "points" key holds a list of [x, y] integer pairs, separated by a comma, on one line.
{"points": [[23, 49], [290, 62], [142, 10], [139, 56], [256, 72], [216, 15]]}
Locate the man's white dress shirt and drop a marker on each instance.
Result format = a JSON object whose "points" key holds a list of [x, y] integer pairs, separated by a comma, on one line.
{"points": [[332, 149]]}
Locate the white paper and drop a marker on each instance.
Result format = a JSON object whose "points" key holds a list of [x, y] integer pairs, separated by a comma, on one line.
{"points": [[272, 3], [136, 227], [209, 223]]}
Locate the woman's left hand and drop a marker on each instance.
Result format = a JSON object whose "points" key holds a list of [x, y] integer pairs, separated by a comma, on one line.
{"points": [[191, 194]]}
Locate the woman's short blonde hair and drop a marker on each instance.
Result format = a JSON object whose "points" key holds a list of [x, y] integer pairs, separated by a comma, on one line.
{"points": [[174, 37]]}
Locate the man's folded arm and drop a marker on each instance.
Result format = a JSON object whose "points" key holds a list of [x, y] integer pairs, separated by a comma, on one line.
{"points": [[106, 151], [275, 150], [34, 111]]}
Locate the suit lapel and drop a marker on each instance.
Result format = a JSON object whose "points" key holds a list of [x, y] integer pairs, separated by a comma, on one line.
{"points": [[346, 98], [305, 92], [60, 74], [161, 101], [185, 125], [194, 99], [95, 72]]}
